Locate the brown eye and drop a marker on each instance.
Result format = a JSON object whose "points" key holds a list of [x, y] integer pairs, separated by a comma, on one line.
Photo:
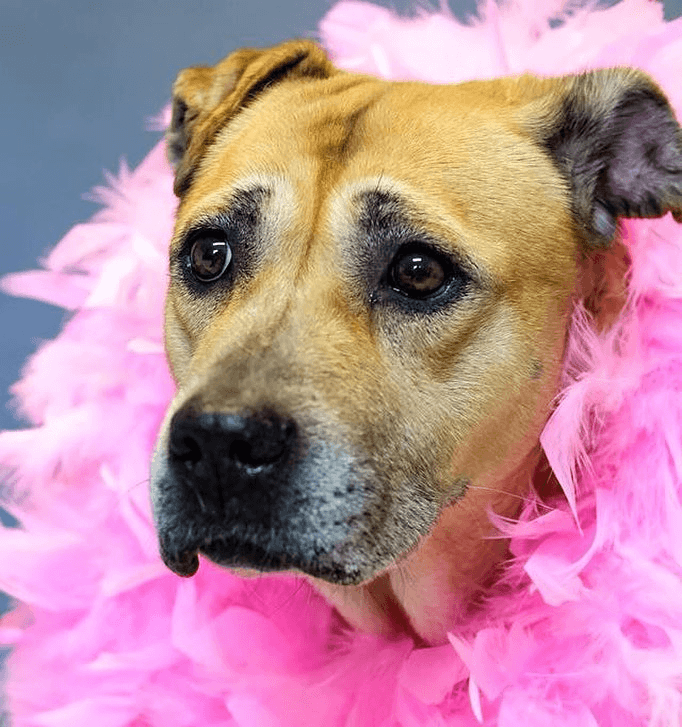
{"points": [[209, 257], [417, 273]]}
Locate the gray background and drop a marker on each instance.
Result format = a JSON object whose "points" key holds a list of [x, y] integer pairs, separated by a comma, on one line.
{"points": [[78, 79]]}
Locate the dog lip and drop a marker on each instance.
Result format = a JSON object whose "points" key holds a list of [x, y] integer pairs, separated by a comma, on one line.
{"points": [[184, 564], [240, 553]]}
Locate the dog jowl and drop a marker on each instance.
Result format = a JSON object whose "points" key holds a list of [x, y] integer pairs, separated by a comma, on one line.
{"points": [[371, 284]]}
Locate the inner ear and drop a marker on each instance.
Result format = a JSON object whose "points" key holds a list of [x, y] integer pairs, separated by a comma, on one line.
{"points": [[191, 97], [615, 138]]}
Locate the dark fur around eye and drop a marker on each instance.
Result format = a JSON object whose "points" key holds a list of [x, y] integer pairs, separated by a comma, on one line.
{"points": [[402, 266], [219, 249]]}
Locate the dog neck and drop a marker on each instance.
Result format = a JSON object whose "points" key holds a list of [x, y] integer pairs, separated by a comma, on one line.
{"points": [[414, 599]]}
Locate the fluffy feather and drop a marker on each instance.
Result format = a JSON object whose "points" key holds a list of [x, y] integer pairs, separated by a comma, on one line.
{"points": [[585, 627]]}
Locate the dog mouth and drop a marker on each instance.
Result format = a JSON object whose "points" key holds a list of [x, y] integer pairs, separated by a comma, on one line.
{"points": [[257, 490], [313, 507], [235, 551]]}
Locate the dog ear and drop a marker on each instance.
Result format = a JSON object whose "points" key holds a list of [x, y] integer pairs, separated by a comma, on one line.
{"points": [[207, 98], [614, 137]]}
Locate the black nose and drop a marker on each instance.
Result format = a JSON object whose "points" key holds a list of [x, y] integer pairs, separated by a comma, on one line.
{"points": [[234, 463]]}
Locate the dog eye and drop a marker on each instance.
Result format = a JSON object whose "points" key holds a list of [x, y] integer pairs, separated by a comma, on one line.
{"points": [[209, 257], [417, 273]]}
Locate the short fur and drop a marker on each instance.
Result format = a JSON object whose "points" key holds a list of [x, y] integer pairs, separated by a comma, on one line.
{"points": [[412, 420]]}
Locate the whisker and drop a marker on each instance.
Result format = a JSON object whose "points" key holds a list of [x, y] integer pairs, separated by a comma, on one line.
{"points": [[138, 484], [513, 495]]}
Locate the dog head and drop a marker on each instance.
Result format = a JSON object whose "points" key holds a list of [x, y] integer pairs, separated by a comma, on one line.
{"points": [[370, 286]]}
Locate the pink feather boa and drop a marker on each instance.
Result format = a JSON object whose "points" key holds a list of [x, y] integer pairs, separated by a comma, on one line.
{"points": [[585, 629]]}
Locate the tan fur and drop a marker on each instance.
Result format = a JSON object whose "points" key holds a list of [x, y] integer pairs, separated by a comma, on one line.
{"points": [[462, 395]]}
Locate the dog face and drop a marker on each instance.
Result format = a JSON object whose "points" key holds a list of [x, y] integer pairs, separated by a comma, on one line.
{"points": [[370, 284]]}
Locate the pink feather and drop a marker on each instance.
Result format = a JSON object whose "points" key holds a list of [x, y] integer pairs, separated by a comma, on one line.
{"points": [[585, 627]]}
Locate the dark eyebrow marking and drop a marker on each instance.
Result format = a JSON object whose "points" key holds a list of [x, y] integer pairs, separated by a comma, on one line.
{"points": [[388, 220], [381, 210], [242, 213]]}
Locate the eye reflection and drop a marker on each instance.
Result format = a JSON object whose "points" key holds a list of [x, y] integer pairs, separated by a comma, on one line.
{"points": [[209, 257], [417, 273]]}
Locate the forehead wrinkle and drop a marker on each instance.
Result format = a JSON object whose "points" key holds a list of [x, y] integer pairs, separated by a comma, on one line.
{"points": [[335, 136]]}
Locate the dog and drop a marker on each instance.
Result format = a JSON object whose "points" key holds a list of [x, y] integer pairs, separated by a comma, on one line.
{"points": [[371, 285]]}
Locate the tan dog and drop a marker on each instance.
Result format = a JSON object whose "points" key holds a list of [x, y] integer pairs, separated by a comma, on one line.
{"points": [[370, 289]]}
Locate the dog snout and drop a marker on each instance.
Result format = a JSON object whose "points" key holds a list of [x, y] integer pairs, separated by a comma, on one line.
{"points": [[223, 456]]}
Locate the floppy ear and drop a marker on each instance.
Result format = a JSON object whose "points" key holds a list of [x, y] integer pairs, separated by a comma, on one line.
{"points": [[206, 98], [615, 138]]}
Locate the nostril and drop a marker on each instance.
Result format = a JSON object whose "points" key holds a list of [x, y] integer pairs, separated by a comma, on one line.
{"points": [[264, 441], [187, 440], [186, 450], [241, 452], [204, 445]]}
